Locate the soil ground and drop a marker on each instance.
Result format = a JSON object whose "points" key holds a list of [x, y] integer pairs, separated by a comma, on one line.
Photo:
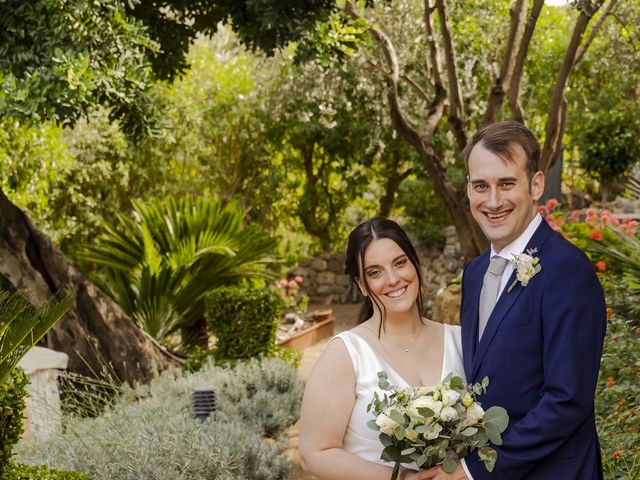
{"points": [[345, 318]]}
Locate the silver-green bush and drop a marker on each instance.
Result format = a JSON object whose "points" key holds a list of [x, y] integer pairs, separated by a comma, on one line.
{"points": [[150, 432]]}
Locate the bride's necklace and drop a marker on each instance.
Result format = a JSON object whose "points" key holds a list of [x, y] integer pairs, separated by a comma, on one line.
{"points": [[407, 348]]}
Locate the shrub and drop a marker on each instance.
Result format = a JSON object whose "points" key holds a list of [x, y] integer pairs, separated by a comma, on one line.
{"points": [[12, 394], [29, 472], [160, 263], [244, 321], [150, 431], [618, 399]]}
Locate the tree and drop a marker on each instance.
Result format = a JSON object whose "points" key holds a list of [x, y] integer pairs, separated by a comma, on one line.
{"points": [[59, 60], [447, 84]]}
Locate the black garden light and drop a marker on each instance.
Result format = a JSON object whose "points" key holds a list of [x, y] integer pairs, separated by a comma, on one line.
{"points": [[204, 402]]}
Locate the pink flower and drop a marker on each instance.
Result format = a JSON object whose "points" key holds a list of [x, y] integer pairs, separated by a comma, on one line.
{"points": [[543, 210], [592, 212], [601, 265], [292, 283], [575, 215], [283, 283], [552, 203], [298, 278]]}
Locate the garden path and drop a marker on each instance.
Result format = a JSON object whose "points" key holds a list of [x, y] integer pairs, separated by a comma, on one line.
{"points": [[345, 318]]}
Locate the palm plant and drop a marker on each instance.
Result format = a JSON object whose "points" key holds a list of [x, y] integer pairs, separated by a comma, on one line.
{"points": [[22, 325], [160, 264]]}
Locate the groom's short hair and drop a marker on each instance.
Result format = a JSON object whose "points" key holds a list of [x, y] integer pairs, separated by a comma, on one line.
{"points": [[500, 137]]}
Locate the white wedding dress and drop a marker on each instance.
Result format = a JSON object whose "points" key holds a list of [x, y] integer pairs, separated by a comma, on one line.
{"points": [[359, 439]]}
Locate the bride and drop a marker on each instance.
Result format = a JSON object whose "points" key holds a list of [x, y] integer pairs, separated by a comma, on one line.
{"points": [[391, 335]]}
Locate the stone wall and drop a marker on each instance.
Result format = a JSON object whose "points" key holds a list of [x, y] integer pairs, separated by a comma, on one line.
{"points": [[325, 282]]}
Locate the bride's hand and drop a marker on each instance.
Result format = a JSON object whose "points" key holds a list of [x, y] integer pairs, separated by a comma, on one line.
{"points": [[437, 473]]}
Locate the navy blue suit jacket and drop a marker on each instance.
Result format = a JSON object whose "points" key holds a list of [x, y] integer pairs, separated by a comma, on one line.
{"points": [[541, 350]]}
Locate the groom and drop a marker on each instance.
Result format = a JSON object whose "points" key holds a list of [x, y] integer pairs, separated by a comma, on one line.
{"points": [[537, 336]]}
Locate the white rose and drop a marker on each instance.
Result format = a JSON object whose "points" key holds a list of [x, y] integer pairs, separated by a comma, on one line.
{"points": [[433, 432], [450, 397], [386, 424], [423, 402], [422, 391], [475, 413], [448, 414]]}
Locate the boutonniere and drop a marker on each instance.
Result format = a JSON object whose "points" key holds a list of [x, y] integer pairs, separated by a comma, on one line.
{"points": [[526, 266]]}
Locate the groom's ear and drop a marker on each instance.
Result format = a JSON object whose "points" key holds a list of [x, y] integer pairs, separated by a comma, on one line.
{"points": [[537, 185]]}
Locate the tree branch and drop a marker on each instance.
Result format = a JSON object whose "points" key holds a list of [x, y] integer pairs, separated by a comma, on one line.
{"points": [[514, 85], [594, 31], [497, 92], [554, 116], [456, 108]]}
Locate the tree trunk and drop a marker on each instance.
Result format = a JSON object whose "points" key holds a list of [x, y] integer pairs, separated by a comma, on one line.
{"points": [[95, 332]]}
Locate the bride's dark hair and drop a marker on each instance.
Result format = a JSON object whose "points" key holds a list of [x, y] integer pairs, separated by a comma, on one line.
{"points": [[359, 239]]}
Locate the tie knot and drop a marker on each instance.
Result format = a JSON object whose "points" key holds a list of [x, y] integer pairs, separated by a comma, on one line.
{"points": [[497, 265]]}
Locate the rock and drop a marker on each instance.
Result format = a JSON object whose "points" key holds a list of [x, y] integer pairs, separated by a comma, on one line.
{"points": [[446, 308], [325, 278], [306, 262], [342, 280], [305, 273], [319, 264], [325, 290], [449, 251]]}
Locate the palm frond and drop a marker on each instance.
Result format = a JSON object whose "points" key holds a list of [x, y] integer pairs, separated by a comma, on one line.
{"points": [[22, 325], [160, 263]]}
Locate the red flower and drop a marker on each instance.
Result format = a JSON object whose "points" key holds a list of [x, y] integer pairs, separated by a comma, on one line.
{"points": [[601, 265], [595, 235], [610, 312], [543, 210], [610, 382], [615, 455], [552, 203]]}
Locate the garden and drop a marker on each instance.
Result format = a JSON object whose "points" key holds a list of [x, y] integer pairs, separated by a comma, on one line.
{"points": [[169, 174]]}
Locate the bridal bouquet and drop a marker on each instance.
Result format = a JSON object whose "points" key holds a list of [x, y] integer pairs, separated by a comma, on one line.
{"points": [[435, 425]]}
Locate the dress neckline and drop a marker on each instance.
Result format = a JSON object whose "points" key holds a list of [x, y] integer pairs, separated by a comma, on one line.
{"points": [[391, 368]]}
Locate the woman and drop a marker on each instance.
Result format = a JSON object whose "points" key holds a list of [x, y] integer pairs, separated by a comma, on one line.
{"points": [[392, 335]]}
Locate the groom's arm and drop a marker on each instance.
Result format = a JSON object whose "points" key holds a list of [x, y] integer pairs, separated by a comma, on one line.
{"points": [[573, 316]]}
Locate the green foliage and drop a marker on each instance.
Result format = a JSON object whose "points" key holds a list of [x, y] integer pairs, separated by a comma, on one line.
{"points": [[59, 58], [261, 24], [160, 264], [424, 211], [69, 181], [618, 398], [609, 145], [22, 325], [12, 403], [333, 41], [244, 321], [150, 432], [30, 472]]}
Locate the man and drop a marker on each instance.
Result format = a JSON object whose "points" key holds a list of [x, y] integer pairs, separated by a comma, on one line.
{"points": [[538, 335]]}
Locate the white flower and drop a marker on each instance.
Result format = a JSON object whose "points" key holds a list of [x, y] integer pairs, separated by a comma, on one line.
{"points": [[424, 402], [474, 414], [450, 397], [526, 266], [411, 434], [422, 390], [432, 432], [467, 399], [386, 424], [448, 414]]}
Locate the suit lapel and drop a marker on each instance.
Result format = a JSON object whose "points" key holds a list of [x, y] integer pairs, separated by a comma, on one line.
{"points": [[470, 336], [504, 303]]}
